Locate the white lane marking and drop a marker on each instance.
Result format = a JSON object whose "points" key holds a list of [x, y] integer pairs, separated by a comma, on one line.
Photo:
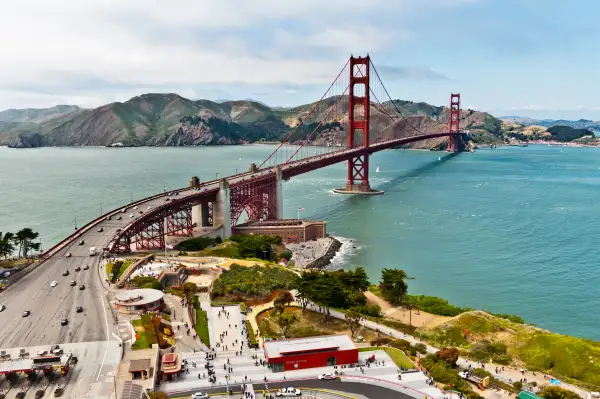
{"points": [[107, 338]]}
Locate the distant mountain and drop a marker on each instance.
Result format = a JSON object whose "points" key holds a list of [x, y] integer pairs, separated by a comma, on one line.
{"points": [[578, 124], [171, 120], [38, 115]]}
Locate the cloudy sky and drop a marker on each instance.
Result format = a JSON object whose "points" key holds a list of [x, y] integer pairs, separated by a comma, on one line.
{"points": [[534, 58]]}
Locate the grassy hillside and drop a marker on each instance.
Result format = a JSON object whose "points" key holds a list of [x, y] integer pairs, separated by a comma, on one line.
{"points": [[564, 357]]}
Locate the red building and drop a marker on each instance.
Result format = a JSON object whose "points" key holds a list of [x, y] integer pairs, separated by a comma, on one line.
{"points": [[304, 353]]}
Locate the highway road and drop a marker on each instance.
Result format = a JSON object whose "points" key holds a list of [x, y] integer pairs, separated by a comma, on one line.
{"points": [[48, 305], [368, 390]]}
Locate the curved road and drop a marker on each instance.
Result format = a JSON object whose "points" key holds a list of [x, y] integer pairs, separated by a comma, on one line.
{"points": [[368, 390]]}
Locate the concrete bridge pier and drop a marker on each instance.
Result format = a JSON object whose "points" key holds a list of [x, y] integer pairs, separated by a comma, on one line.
{"points": [[222, 209], [200, 215], [278, 194]]}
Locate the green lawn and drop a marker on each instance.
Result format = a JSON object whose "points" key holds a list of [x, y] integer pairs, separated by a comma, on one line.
{"points": [[397, 355], [202, 326], [109, 267], [142, 341]]}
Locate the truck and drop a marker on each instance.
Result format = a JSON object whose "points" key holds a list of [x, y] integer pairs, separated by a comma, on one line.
{"points": [[93, 251]]}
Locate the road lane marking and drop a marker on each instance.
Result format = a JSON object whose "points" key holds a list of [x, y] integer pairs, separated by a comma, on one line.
{"points": [[107, 338]]}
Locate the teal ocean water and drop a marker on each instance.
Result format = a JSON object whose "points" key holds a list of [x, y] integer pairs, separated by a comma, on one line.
{"points": [[512, 230]]}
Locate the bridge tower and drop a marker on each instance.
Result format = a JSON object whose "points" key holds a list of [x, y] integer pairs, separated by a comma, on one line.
{"points": [[359, 117], [454, 144]]}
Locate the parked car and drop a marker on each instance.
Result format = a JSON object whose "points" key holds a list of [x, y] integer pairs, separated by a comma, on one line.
{"points": [[287, 392], [86, 267], [200, 395], [68, 255], [100, 230], [327, 376], [131, 215], [81, 242], [118, 217], [73, 283], [82, 287], [26, 313], [2, 307], [54, 283], [64, 322], [78, 269], [66, 273], [79, 309]]}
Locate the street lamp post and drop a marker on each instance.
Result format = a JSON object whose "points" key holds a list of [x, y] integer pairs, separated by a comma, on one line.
{"points": [[236, 171], [216, 175]]}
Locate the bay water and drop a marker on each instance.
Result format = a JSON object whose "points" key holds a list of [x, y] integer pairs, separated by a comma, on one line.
{"points": [[510, 230]]}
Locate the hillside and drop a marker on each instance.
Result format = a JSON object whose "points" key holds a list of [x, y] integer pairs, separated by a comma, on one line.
{"points": [[575, 124], [171, 120]]}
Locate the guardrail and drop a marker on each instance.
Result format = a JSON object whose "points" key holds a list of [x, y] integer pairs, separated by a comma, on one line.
{"points": [[396, 385]]}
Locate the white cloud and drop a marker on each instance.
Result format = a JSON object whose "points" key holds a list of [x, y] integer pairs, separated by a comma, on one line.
{"points": [[59, 45]]}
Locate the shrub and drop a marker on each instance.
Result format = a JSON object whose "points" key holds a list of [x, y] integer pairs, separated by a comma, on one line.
{"points": [[369, 310], [254, 280], [251, 336], [518, 385], [195, 244], [218, 240], [448, 355], [381, 341], [554, 392], [434, 305], [401, 344], [421, 348]]}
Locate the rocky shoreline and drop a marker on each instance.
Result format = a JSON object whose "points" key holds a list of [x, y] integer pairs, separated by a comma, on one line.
{"points": [[325, 259]]}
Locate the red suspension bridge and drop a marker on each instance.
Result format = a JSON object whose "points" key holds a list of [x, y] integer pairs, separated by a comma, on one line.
{"points": [[355, 118]]}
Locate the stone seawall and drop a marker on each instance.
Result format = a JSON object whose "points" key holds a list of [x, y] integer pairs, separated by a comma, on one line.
{"points": [[325, 259]]}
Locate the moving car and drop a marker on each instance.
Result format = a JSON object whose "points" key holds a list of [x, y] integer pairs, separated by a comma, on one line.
{"points": [[26, 313], [167, 199], [73, 283], [79, 309], [66, 273], [54, 283], [108, 217], [200, 395], [68, 255], [81, 242], [100, 230], [287, 392], [77, 269], [123, 210], [2, 307], [327, 376], [86, 267], [131, 215], [82, 287], [135, 208], [118, 217], [64, 322]]}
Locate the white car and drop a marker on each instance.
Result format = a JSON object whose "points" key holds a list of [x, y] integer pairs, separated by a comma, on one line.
{"points": [[200, 395], [131, 215], [287, 392], [135, 208], [327, 376], [54, 283]]}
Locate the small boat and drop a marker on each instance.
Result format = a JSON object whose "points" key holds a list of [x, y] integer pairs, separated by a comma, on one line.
{"points": [[439, 158], [377, 170]]}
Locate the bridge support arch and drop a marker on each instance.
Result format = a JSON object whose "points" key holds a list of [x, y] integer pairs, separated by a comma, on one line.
{"points": [[359, 118]]}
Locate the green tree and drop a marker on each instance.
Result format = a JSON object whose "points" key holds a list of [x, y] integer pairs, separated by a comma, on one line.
{"points": [[189, 290], [7, 244], [24, 238], [353, 317], [554, 392], [393, 285], [285, 321]]}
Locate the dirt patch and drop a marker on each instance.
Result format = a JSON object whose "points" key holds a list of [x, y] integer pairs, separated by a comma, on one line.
{"points": [[415, 317]]}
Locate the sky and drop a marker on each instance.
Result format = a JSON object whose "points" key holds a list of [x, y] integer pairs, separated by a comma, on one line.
{"points": [[534, 58]]}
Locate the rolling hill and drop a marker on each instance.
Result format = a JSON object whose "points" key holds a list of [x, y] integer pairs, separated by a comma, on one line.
{"points": [[171, 120]]}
